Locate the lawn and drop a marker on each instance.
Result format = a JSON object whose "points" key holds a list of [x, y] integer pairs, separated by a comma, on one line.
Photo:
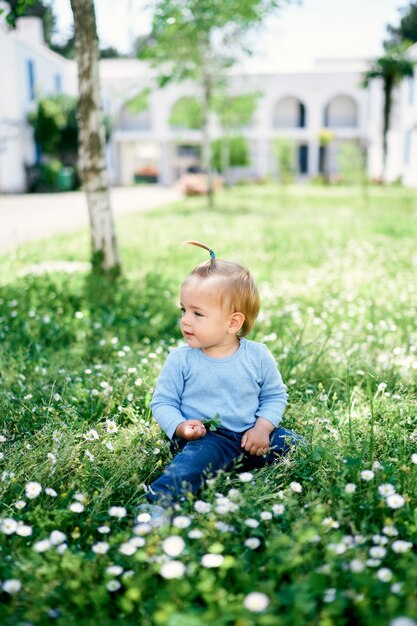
{"points": [[329, 536]]}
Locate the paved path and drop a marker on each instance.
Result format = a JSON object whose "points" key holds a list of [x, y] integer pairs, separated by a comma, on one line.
{"points": [[29, 217]]}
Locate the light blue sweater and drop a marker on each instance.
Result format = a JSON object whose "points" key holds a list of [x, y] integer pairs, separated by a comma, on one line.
{"points": [[239, 388]]}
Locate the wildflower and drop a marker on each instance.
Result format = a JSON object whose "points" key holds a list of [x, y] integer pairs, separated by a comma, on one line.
{"points": [[173, 546], [52, 458], [373, 562], [296, 487], [138, 542], [245, 477], [61, 548], [42, 546], [367, 475], [256, 602], [202, 507], [400, 546], [380, 540], [109, 446], [181, 521], [195, 534], [252, 543], [278, 509], [384, 574], [89, 455], [390, 531], [397, 587], [142, 529], [111, 426], [80, 497], [113, 585], [212, 560], [266, 515], [329, 595], [117, 511], [8, 526], [127, 548], [386, 490], [114, 570], [357, 566], [101, 547], [376, 465], [172, 569], [337, 548], [51, 492], [23, 530], [12, 585], [377, 552], [76, 507], [32, 490], [403, 621], [252, 523], [103, 530], [395, 501], [56, 537], [20, 504], [350, 488], [329, 522], [143, 518], [91, 435]]}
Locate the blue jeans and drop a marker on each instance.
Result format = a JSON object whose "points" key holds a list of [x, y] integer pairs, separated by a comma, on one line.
{"points": [[197, 460]]}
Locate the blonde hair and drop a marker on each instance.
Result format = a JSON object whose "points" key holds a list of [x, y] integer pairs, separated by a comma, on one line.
{"points": [[237, 286]]}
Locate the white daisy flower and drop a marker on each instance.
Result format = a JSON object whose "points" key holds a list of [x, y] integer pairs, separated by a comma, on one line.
{"points": [[251, 522], [377, 552], [181, 521], [20, 504], [386, 490], [384, 574], [403, 621], [114, 570], [266, 515], [256, 602], [8, 526], [400, 546], [390, 531], [113, 585], [11, 586], [103, 530], [56, 537], [296, 487], [42, 546], [111, 426], [212, 560], [367, 475], [51, 492], [32, 490], [127, 548], [76, 507], [414, 458], [252, 543], [101, 547], [278, 509], [117, 511], [202, 507], [23, 530], [395, 501], [245, 477], [350, 488], [195, 534], [172, 569], [173, 546]]}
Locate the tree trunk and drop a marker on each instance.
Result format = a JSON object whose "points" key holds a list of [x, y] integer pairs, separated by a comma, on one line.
{"points": [[225, 158], [207, 94], [388, 88], [105, 255]]}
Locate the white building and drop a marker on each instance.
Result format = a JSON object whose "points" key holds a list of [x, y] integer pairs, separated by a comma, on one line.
{"points": [[27, 69], [294, 105]]}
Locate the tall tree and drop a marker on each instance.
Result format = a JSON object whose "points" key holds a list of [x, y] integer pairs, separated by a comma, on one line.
{"points": [[199, 40], [391, 68], [406, 31], [105, 257], [32, 8]]}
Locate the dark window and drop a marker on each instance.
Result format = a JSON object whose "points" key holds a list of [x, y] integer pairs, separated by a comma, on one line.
{"points": [[31, 79], [301, 115], [303, 159]]}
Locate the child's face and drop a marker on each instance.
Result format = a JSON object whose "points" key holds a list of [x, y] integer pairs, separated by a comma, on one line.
{"points": [[205, 323]]}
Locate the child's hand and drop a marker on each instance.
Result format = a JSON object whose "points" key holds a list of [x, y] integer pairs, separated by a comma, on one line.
{"points": [[256, 439], [190, 430]]}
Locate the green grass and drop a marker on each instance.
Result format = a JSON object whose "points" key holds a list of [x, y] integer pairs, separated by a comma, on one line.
{"points": [[337, 273]]}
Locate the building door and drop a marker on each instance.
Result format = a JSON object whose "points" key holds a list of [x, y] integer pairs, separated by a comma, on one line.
{"points": [[303, 159]]}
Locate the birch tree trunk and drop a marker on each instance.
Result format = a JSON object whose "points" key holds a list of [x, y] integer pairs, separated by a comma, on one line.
{"points": [[105, 255]]}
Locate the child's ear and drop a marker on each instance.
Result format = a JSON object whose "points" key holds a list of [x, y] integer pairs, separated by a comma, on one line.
{"points": [[236, 321]]}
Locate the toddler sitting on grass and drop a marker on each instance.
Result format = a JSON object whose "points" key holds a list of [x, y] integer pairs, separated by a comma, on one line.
{"points": [[219, 376]]}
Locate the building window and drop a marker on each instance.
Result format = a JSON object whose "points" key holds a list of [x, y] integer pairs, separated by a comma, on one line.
{"points": [[407, 146], [31, 79], [58, 83], [341, 112], [289, 113]]}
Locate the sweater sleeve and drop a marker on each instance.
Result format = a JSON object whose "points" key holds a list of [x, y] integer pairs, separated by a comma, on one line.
{"points": [[166, 400], [273, 393]]}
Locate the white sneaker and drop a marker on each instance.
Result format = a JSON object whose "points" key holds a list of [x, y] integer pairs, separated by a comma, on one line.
{"points": [[152, 514]]}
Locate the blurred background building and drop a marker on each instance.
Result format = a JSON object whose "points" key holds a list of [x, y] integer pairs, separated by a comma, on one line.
{"points": [[319, 112]]}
